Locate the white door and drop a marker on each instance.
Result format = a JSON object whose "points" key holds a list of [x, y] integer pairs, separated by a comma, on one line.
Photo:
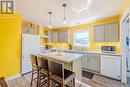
{"points": [[99, 35], [111, 32], [30, 45], [84, 61], [127, 26], [110, 66]]}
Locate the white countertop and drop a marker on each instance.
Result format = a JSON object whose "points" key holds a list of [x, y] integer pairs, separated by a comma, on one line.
{"points": [[96, 52], [62, 56]]}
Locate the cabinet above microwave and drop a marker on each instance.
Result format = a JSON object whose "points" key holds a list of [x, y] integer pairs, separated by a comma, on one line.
{"points": [[106, 32]]}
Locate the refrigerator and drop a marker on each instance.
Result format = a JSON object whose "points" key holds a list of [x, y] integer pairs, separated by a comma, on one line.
{"points": [[30, 45]]}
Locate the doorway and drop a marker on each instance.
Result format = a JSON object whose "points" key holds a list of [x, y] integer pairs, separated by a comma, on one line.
{"points": [[126, 45]]}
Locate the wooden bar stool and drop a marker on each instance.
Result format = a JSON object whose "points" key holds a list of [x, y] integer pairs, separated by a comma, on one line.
{"points": [[3, 82], [35, 70], [43, 71], [60, 77]]}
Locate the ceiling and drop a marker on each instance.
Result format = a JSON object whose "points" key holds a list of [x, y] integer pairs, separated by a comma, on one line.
{"points": [[36, 11]]}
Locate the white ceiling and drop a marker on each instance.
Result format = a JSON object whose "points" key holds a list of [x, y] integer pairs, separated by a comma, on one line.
{"points": [[36, 11]]}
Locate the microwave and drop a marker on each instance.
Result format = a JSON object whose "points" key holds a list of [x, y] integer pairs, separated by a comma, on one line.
{"points": [[108, 48]]}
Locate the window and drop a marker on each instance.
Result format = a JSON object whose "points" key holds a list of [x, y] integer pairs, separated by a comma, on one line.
{"points": [[82, 38]]}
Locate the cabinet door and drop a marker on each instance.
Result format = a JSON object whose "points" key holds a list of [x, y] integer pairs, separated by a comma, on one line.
{"points": [[26, 65], [111, 32], [58, 37], [66, 36], [54, 37], [62, 37], [110, 66], [93, 62], [84, 61], [99, 33], [50, 35]]}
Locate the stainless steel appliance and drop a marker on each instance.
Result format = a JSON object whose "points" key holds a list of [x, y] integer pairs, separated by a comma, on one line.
{"points": [[108, 49]]}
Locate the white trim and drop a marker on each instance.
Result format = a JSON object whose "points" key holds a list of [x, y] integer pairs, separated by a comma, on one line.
{"points": [[13, 77], [78, 31]]}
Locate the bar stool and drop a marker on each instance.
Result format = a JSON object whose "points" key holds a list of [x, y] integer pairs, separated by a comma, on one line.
{"points": [[35, 70], [3, 82], [60, 77], [43, 71]]}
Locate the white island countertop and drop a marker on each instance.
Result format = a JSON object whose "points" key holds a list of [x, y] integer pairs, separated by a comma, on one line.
{"points": [[88, 51], [62, 56]]}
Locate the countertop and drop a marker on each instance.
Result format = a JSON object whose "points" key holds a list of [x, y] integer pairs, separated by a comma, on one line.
{"points": [[62, 56], [88, 51]]}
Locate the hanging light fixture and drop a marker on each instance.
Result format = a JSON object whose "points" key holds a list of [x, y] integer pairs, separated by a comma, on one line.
{"points": [[64, 20], [50, 24]]}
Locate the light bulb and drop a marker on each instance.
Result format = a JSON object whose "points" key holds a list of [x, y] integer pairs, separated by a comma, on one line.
{"points": [[50, 26], [64, 21]]}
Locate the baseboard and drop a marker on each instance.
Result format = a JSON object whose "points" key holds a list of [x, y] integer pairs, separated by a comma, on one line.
{"points": [[13, 77]]}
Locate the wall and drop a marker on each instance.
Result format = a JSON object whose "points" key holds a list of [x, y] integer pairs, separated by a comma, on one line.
{"points": [[125, 6], [94, 46], [10, 45]]}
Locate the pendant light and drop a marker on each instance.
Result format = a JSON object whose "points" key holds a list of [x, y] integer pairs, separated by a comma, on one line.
{"points": [[50, 25], [64, 20]]}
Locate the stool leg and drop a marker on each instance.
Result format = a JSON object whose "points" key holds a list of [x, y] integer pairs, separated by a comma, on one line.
{"points": [[48, 81], [62, 83], [50, 85], [73, 82], [31, 78], [38, 79]]}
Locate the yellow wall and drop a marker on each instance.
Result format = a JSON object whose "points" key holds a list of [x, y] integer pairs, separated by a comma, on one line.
{"points": [[94, 46], [125, 6], [10, 46]]}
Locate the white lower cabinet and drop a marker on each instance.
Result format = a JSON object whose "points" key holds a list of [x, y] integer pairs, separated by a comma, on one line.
{"points": [[91, 62], [84, 61], [110, 66]]}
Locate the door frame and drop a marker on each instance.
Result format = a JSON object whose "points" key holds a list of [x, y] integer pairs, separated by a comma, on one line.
{"points": [[123, 47]]}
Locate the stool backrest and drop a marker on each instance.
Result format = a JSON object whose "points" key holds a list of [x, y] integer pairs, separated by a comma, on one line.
{"points": [[42, 62], [56, 68], [3, 82], [34, 60]]}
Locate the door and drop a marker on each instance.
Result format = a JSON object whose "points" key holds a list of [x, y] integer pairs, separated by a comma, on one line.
{"points": [[125, 47], [26, 61], [84, 61], [30, 45], [93, 62], [50, 34], [99, 33], [127, 22], [110, 66], [111, 32], [54, 37]]}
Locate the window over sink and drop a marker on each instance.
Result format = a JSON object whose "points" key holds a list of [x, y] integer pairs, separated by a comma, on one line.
{"points": [[82, 38]]}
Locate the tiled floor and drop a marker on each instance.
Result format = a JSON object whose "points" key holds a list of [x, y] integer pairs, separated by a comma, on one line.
{"points": [[97, 81]]}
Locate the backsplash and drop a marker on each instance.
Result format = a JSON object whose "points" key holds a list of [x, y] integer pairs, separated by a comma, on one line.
{"points": [[93, 47]]}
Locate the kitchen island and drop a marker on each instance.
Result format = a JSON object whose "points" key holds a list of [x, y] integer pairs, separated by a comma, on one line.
{"points": [[71, 61]]}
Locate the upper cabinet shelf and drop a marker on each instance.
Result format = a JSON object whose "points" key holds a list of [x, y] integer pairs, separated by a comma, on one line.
{"points": [[30, 28], [58, 37], [106, 32]]}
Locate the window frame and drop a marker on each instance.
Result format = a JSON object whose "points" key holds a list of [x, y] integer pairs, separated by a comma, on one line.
{"points": [[74, 36]]}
